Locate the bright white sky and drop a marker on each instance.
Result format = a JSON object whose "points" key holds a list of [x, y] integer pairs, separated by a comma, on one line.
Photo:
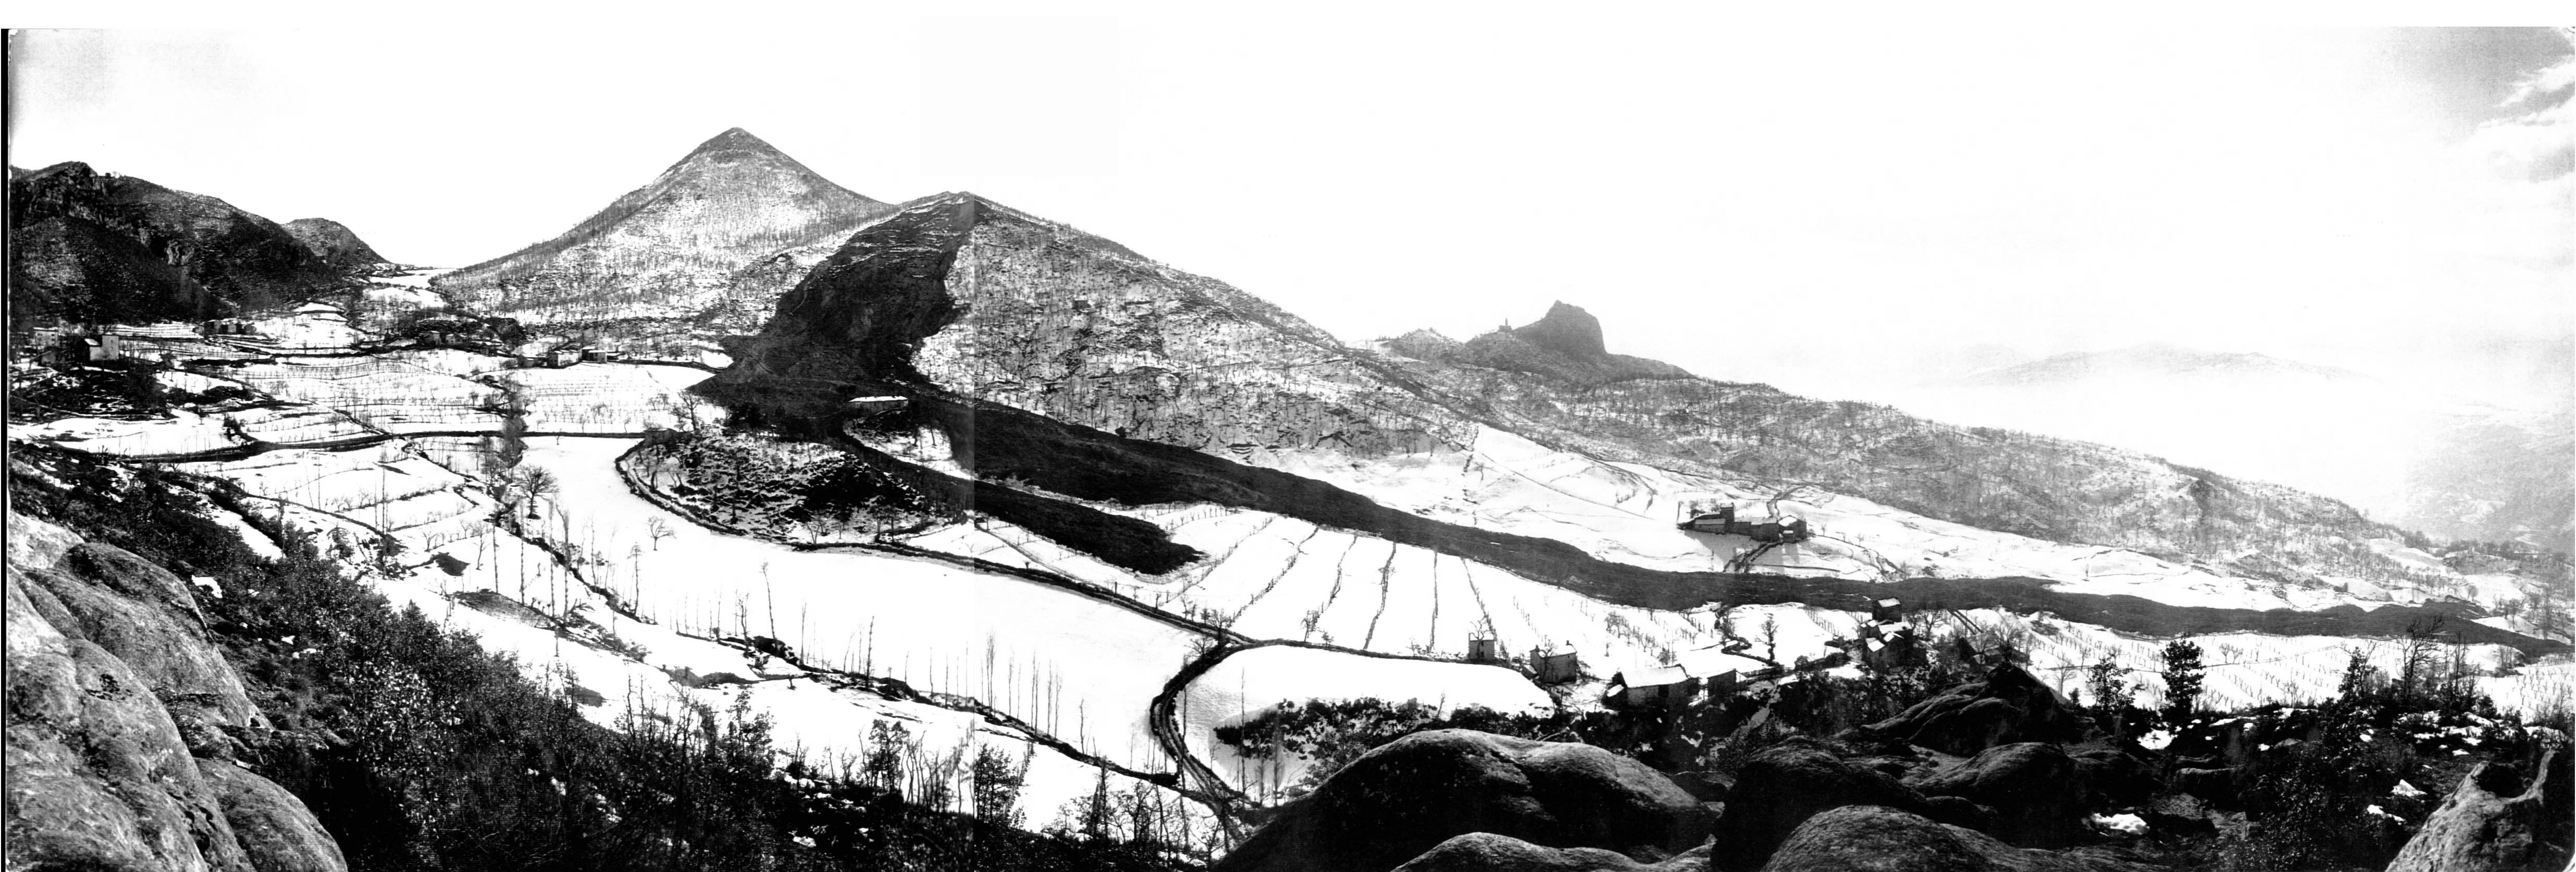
{"points": [[1826, 206]]}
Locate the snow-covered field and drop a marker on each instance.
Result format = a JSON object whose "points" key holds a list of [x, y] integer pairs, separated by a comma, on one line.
{"points": [[408, 393], [187, 432], [1077, 667], [940, 628], [605, 397]]}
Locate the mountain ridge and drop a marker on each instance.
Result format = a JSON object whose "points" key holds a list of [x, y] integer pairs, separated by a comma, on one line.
{"points": [[90, 246]]}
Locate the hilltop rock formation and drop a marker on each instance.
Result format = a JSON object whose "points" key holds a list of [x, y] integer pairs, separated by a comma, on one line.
{"points": [[704, 250], [115, 763], [1566, 330], [86, 246], [337, 245], [1403, 798]]}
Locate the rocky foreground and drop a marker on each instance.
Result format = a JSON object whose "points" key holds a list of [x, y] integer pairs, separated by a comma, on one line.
{"points": [[1991, 775], [122, 724]]}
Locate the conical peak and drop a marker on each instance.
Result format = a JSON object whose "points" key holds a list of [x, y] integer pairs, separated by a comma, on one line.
{"points": [[734, 139]]}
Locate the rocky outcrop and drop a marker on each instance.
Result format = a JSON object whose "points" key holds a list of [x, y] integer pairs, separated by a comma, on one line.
{"points": [[148, 619], [1487, 852], [2008, 706], [1564, 348], [101, 773], [2032, 787], [1405, 797], [1566, 330], [1794, 781], [2492, 823], [1865, 838]]}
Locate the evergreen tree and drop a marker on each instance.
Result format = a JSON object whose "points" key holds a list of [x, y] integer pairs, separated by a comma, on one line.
{"points": [[2182, 679]]}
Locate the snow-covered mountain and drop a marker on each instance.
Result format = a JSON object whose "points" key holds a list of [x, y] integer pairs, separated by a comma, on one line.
{"points": [[701, 251]]}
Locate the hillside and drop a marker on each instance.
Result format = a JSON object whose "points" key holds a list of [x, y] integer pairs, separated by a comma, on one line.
{"points": [[1035, 354], [337, 245], [993, 305], [2046, 488], [702, 250], [91, 246]]}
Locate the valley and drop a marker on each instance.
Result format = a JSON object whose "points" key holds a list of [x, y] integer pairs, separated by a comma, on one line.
{"points": [[948, 479]]}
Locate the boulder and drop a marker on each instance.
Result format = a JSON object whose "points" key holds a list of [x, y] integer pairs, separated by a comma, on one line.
{"points": [[2491, 823], [1405, 797], [1781, 786], [98, 776], [2007, 706], [1863, 838], [2032, 787], [2113, 778], [149, 619], [1487, 852], [275, 830]]}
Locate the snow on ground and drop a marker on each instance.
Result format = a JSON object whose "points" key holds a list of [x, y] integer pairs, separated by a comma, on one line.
{"points": [[2547, 687], [1074, 666], [184, 432], [187, 432], [1275, 577], [1626, 512], [419, 278], [312, 328], [189, 382], [373, 485], [2244, 669], [382, 487], [605, 397], [1250, 682], [394, 394]]}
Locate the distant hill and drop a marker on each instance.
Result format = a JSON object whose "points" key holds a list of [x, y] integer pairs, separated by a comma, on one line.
{"points": [[703, 250], [1990, 477], [2430, 463], [337, 245], [91, 246]]}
